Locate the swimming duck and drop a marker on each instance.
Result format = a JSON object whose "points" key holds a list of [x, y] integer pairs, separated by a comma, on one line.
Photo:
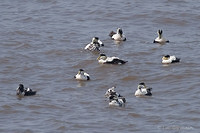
{"points": [[94, 45], [103, 59], [81, 75], [21, 91], [114, 101], [142, 90], [167, 59], [160, 39], [115, 98], [117, 36]]}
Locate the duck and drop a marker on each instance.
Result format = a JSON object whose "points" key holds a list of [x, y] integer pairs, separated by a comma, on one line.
{"points": [[94, 45], [115, 99], [160, 39], [21, 91], [142, 90], [111, 91], [167, 59], [82, 75], [103, 59], [117, 36]]}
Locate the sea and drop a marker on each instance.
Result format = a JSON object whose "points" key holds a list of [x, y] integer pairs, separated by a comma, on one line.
{"points": [[42, 47]]}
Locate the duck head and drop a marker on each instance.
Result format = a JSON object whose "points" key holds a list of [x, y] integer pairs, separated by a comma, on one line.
{"points": [[81, 71], [159, 34], [20, 89], [102, 57], [96, 40], [166, 57], [110, 92], [119, 31], [141, 85]]}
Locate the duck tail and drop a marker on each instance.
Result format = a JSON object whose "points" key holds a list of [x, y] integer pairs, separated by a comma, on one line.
{"points": [[123, 62], [88, 78], [177, 60]]}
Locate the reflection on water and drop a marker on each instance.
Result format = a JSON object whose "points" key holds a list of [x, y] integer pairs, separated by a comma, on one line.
{"points": [[81, 83]]}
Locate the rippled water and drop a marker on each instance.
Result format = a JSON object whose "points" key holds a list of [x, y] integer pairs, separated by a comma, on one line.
{"points": [[41, 46]]}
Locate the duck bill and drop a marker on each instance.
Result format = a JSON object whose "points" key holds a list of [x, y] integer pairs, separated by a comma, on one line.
{"points": [[98, 58]]}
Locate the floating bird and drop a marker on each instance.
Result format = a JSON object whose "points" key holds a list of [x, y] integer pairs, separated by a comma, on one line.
{"points": [[142, 90], [115, 99], [81, 75], [103, 59], [117, 36], [94, 45], [160, 39], [167, 59], [21, 91]]}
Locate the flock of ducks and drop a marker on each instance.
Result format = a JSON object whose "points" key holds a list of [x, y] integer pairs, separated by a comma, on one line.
{"points": [[114, 98]]}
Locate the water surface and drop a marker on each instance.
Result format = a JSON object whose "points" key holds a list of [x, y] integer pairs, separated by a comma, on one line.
{"points": [[42, 46]]}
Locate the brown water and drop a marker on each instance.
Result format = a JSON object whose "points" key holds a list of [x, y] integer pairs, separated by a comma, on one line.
{"points": [[41, 46]]}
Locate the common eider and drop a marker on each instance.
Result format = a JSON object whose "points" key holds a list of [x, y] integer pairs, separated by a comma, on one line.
{"points": [[21, 91], [81, 75], [117, 36], [94, 45], [143, 90], [115, 99], [160, 39], [167, 59], [103, 59]]}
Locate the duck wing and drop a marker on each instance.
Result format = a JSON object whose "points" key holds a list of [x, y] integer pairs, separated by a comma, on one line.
{"points": [[30, 93], [176, 60], [116, 61], [92, 47]]}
